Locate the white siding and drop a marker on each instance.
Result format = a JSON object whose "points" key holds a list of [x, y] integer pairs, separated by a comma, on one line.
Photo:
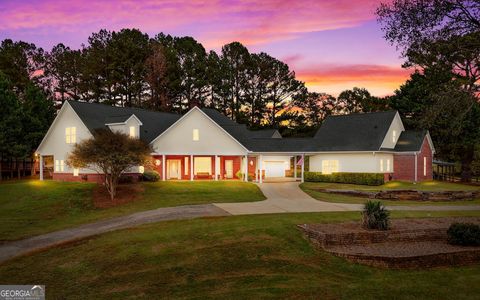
{"points": [[353, 162], [212, 139], [396, 126], [55, 144]]}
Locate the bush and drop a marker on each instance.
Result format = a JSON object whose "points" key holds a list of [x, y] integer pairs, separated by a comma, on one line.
{"points": [[343, 177], [375, 216], [465, 234], [150, 176], [239, 175], [125, 179]]}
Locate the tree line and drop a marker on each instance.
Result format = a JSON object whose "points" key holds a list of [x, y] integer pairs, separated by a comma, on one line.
{"points": [[440, 39]]}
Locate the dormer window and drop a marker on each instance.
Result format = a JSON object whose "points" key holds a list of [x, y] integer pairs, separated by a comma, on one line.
{"points": [[394, 136], [71, 135], [196, 135], [132, 132]]}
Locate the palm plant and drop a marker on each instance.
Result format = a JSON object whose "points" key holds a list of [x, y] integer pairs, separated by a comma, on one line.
{"points": [[375, 216]]}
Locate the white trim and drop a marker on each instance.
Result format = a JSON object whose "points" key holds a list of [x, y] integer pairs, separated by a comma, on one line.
{"points": [[429, 139], [181, 118], [125, 122], [416, 167], [385, 138]]}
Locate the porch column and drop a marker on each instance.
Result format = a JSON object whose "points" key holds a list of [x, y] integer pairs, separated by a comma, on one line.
{"points": [[260, 168], [40, 166], [191, 167], [303, 167], [163, 168], [216, 167], [256, 168], [245, 169], [295, 167]]}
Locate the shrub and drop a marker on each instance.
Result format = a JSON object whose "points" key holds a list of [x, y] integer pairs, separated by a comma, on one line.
{"points": [[150, 176], [343, 177], [465, 234], [375, 216], [125, 179], [239, 175]]}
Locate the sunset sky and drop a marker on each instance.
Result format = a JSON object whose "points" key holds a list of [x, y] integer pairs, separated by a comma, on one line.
{"points": [[332, 45]]}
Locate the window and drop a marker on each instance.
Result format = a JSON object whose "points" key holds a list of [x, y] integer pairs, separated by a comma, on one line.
{"points": [[329, 166], [141, 169], [59, 165], [196, 135], [202, 165], [424, 166], [186, 166], [394, 136], [132, 131], [388, 165], [75, 172], [381, 165], [71, 135]]}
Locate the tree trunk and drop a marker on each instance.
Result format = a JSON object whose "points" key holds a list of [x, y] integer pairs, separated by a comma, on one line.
{"points": [[467, 159], [18, 168], [1, 163]]}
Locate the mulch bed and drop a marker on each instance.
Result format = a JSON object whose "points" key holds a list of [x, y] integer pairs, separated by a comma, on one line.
{"points": [[125, 193], [410, 243], [407, 195]]}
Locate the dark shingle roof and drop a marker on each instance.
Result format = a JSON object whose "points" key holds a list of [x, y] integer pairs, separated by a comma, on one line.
{"points": [[95, 116], [410, 140], [355, 132], [265, 133]]}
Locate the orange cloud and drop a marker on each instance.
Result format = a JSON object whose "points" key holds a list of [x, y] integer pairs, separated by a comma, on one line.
{"points": [[378, 79]]}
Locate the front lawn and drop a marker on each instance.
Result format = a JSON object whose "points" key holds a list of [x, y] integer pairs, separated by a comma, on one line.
{"points": [[312, 188], [244, 257], [34, 207]]}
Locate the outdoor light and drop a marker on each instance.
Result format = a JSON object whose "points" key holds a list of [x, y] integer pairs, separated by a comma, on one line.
{"points": [[157, 162], [251, 162]]}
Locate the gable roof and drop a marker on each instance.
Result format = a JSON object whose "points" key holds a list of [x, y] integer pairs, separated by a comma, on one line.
{"points": [[354, 132], [96, 116], [412, 141]]}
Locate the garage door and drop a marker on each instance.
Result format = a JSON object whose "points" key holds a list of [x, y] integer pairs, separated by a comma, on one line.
{"points": [[274, 169]]}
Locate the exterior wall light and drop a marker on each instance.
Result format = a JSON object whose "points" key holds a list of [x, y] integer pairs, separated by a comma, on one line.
{"points": [[157, 162]]}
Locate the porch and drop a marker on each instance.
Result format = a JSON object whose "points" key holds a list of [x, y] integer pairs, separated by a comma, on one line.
{"points": [[252, 167]]}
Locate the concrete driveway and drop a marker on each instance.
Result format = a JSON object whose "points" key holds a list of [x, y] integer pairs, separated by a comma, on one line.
{"points": [[284, 197]]}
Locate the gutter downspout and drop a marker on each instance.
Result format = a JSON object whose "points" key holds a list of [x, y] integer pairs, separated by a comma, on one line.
{"points": [[416, 168]]}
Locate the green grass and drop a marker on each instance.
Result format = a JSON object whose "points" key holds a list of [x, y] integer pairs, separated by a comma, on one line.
{"points": [[33, 207], [311, 188], [244, 257]]}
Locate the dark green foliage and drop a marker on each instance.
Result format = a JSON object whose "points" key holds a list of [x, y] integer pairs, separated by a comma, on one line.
{"points": [[464, 234], [375, 216], [343, 177], [151, 176]]}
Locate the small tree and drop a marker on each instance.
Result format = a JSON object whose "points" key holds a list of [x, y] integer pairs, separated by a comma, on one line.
{"points": [[109, 153]]}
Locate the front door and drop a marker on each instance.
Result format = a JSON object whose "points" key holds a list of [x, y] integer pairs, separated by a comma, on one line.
{"points": [[229, 168], [173, 169]]}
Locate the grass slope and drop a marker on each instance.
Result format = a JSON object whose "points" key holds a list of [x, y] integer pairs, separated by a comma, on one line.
{"points": [[242, 257], [311, 188], [34, 207]]}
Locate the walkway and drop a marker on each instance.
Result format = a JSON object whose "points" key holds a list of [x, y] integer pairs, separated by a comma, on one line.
{"points": [[285, 197]]}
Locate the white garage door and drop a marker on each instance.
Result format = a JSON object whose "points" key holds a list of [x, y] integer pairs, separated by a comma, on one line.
{"points": [[274, 169]]}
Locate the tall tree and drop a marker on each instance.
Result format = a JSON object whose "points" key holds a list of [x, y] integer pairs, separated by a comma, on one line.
{"points": [[156, 76], [316, 106], [360, 100]]}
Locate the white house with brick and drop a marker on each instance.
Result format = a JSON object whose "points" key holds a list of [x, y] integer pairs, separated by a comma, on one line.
{"points": [[205, 144]]}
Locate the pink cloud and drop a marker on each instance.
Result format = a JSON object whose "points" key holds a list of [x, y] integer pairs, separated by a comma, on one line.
{"points": [[215, 22]]}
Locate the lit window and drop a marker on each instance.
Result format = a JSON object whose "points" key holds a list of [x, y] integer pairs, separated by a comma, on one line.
{"points": [[196, 135], [202, 165], [388, 165], [424, 166], [329, 166], [394, 136], [141, 169], [71, 135], [381, 165], [132, 131], [75, 172], [186, 166], [59, 165]]}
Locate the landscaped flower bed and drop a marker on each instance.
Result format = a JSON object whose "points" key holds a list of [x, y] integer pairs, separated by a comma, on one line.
{"points": [[410, 243]]}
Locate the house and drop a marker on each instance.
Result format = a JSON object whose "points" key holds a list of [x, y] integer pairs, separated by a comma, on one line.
{"points": [[205, 144]]}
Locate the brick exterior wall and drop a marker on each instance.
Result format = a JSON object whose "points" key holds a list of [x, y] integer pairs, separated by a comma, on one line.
{"points": [[97, 178], [404, 164]]}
